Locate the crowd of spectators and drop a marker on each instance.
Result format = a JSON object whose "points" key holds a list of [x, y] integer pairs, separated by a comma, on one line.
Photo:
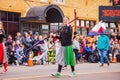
{"points": [[18, 53]]}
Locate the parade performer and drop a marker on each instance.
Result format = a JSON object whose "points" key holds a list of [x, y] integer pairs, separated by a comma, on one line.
{"points": [[3, 53], [65, 55]]}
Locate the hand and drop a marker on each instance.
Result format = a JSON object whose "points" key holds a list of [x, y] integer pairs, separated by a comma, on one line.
{"points": [[51, 34], [54, 35]]}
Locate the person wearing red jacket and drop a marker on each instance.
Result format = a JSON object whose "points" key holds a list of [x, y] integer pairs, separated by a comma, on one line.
{"points": [[3, 53]]}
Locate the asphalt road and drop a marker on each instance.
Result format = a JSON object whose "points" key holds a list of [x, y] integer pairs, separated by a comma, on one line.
{"points": [[84, 71]]}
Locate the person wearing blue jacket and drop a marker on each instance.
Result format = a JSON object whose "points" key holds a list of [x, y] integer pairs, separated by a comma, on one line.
{"points": [[103, 46]]}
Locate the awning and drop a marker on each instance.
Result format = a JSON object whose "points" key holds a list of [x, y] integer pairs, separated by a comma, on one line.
{"points": [[44, 14]]}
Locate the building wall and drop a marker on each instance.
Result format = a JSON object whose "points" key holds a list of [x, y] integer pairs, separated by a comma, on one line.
{"points": [[86, 9]]}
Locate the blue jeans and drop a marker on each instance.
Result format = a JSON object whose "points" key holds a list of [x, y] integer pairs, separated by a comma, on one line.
{"points": [[26, 56], [103, 56]]}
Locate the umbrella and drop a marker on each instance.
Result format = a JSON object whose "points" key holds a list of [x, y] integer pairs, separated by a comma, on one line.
{"points": [[98, 29]]}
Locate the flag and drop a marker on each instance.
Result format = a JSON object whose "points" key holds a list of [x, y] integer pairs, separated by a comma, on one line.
{"points": [[98, 29]]}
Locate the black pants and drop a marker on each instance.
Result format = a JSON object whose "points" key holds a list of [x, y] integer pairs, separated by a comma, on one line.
{"points": [[60, 68], [12, 59], [35, 52]]}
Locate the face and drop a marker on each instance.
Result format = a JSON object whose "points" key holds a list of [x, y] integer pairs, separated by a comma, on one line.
{"points": [[65, 20], [30, 32], [9, 36], [18, 42], [1, 25], [35, 36], [40, 37], [13, 43], [18, 34]]}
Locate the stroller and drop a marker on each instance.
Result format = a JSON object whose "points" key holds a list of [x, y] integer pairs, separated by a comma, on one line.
{"points": [[91, 56]]}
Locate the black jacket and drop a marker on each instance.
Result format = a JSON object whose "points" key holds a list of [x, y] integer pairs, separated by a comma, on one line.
{"points": [[65, 36], [2, 35]]}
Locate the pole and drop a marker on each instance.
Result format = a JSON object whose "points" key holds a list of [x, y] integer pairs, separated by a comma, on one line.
{"points": [[75, 15]]}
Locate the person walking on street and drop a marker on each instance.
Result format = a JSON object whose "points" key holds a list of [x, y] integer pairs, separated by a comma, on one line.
{"points": [[65, 55], [103, 46], [3, 53]]}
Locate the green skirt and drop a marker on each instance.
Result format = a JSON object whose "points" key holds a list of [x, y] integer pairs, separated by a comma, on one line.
{"points": [[69, 55]]}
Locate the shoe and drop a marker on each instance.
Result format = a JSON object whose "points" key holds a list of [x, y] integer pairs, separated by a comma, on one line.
{"points": [[25, 64], [108, 63], [73, 74], [17, 64], [4, 71], [101, 65], [57, 75]]}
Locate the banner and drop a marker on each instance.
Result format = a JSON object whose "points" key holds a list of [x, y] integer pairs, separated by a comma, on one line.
{"points": [[109, 13]]}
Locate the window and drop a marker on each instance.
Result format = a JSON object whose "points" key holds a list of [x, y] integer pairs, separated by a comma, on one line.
{"points": [[53, 27], [112, 25], [10, 16], [109, 30], [106, 24], [77, 23], [11, 22], [45, 29], [44, 26], [84, 26], [82, 23], [92, 23], [59, 1], [87, 23], [3, 16], [116, 2], [16, 17]]}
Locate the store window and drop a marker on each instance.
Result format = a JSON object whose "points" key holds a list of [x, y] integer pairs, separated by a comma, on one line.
{"points": [[3, 16], [10, 21], [77, 22], [54, 27], [16, 17], [111, 27], [92, 23], [106, 24], [84, 26], [82, 23], [10, 16], [45, 29], [87, 24]]}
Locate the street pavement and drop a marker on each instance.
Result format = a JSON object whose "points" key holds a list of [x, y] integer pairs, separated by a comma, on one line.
{"points": [[84, 71]]}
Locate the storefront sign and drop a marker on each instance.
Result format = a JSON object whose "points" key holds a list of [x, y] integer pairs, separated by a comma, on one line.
{"points": [[109, 13]]}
